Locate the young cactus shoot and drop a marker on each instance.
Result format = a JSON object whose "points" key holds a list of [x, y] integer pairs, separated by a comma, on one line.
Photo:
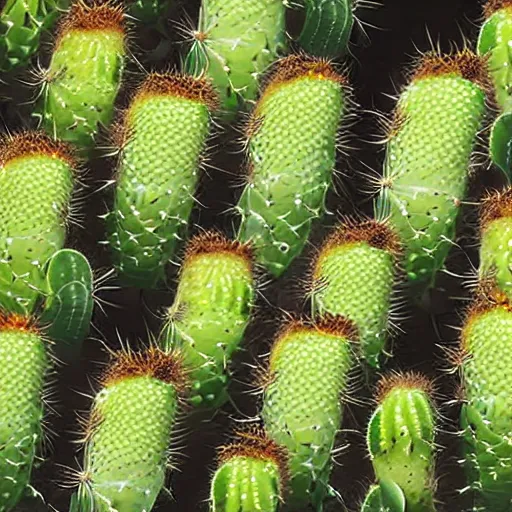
{"points": [[215, 296], [164, 134], [291, 156]]}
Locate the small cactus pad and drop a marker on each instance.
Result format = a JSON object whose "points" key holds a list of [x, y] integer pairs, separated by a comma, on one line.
{"points": [[327, 27], [496, 240], [486, 415], [36, 180], [291, 151], [129, 434], [24, 363], [353, 276], [428, 159], [308, 372], [211, 310], [236, 41], [251, 474], [164, 131], [401, 441], [85, 71]]}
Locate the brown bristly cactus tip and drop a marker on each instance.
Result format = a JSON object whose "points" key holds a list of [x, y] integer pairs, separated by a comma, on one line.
{"points": [[210, 242], [15, 322], [152, 362], [397, 122], [492, 6], [403, 380], [495, 205], [30, 143]]}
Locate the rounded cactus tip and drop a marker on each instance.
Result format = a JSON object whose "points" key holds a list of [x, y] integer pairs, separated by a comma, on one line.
{"points": [[31, 143], [495, 205], [15, 322], [492, 6], [164, 366], [402, 381]]}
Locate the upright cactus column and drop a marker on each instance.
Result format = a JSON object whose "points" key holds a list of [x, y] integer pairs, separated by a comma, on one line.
{"points": [[308, 371], [486, 416], [129, 433], [401, 444], [24, 361], [85, 72], [235, 43], [353, 276], [213, 304], [428, 159], [291, 156], [164, 134]]}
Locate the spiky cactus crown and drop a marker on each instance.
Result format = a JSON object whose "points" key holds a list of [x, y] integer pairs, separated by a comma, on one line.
{"points": [[495, 205], [493, 6]]}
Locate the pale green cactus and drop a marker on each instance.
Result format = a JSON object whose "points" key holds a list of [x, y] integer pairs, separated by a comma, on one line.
{"points": [[401, 444], [164, 130], [353, 275], [428, 159], [211, 310], [291, 156], [308, 372]]}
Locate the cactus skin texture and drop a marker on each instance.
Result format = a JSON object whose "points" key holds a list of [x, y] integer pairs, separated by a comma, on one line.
{"points": [[308, 371], [428, 159], [236, 42], [250, 476], [327, 27], [291, 152], [353, 276], [486, 418], [84, 76], [165, 130], [401, 444], [129, 434], [25, 362], [212, 307]]}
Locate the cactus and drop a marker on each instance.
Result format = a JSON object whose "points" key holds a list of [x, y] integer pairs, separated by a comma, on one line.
{"points": [[235, 43], [353, 276], [82, 81], [211, 310], [401, 444], [428, 156], [494, 43], [327, 27], [165, 130], [24, 361], [485, 417], [21, 24], [129, 433], [292, 151], [251, 474], [149, 12], [308, 371]]}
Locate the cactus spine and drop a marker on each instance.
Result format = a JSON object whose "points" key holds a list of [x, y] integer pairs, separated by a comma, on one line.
{"points": [[211, 310], [165, 130], [401, 444], [251, 474], [308, 371], [291, 152], [428, 159], [353, 276], [85, 72], [24, 361], [236, 41], [129, 434]]}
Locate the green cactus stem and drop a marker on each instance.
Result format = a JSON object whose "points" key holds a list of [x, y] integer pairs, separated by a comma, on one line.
{"points": [[252, 472], [211, 310], [291, 152], [85, 72], [401, 444], [353, 276], [149, 12], [129, 433], [24, 361], [486, 416], [428, 159], [235, 43], [308, 371], [164, 134]]}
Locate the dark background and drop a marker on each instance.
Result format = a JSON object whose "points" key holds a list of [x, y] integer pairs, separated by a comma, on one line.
{"points": [[396, 31]]}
